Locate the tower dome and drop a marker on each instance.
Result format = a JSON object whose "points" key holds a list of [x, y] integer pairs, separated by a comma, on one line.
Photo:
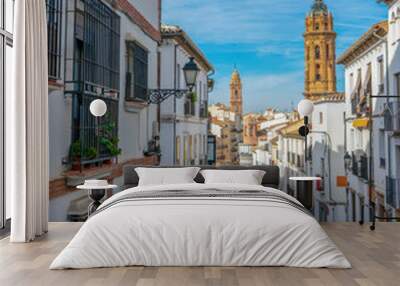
{"points": [[235, 75], [318, 8]]}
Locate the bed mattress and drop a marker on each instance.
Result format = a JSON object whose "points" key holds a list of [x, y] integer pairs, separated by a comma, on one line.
{"points": [[201, 225]]}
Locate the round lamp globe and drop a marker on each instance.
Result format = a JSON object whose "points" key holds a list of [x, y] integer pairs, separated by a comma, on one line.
{"points": [[98, 107], [305, 107]]}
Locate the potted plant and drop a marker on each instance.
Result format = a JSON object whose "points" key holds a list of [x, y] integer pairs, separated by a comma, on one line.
{"points": [[75, 155], [90, 153], [192, 96], [111, 145]]}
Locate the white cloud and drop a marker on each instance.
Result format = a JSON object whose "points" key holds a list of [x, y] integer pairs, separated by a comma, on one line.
{"points": [[256, 33]]}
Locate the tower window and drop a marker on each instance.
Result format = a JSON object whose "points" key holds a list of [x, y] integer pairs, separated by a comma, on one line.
{"points": [[317, 26], [317, 52], [327, 51], [317, 72]]}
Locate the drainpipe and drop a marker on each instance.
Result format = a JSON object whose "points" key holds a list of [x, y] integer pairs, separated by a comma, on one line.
{"points": [[174, 129], [345, 167]]}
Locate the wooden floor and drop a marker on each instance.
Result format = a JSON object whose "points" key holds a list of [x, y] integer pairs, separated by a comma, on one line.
{"points": [[375, 257]]}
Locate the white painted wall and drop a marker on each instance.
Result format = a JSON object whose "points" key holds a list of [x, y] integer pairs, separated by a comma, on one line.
{"points": [[327, 139], [394, 69], [136, 124], [358, 139], [173, 59]]}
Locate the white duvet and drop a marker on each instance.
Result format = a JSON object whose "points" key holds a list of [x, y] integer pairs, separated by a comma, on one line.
{"points": [[200, 232]]}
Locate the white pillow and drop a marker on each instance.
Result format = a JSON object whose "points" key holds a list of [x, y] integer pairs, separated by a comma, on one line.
{"points": [[166, 176], [247, 177]]}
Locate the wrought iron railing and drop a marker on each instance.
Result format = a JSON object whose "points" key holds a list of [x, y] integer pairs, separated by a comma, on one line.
{"points": [[392, 192], [354, 102], [189, 108], [93, 140], [92, 59], [392, 117], [92, 46], [363, 172], [54, 25], [354, 164], [204, 109]]}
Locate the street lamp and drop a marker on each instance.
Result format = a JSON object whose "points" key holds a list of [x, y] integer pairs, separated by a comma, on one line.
{"points": [[98, 108], [305, 109], [190, 71]]}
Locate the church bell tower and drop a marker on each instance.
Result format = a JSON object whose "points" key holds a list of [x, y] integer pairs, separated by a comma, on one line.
{"points": [[236, 103], [320, 56]]}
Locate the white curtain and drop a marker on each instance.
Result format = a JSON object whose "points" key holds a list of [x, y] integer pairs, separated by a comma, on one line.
{"points": [[27, 124]]}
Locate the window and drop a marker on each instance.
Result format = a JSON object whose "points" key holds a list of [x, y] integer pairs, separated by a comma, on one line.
{"points": [[317, 52], [137, 72], [351, 81], [327, 51], [381, 70], [190, 150], [317, 26], [397, 78], [54, 22], [321, 118], [91, 72], [317, 72], [393, 28], [178, 150], [185, 149], [194, 146], [382, 149], [6, 44]]}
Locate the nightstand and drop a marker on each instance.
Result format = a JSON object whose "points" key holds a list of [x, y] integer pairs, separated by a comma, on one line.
{"points": [[304, 190], [95, 193]]}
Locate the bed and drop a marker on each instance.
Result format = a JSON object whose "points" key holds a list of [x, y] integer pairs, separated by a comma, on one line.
{"points": [[197, 224]]}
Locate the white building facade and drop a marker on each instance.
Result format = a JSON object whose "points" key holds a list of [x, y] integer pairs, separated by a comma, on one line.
{"points": [[366, 140], [291, 156], [392, 121], [184, 121], [116, 61], [327, 158]]}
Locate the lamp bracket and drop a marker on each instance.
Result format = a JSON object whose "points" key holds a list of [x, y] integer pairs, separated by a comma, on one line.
{"points": [[156, 96]]}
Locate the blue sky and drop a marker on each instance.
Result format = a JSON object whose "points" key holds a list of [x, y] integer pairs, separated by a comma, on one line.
{"points": [[264, 39]]}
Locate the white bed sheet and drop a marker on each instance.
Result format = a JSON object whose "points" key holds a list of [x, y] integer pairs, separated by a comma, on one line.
{"points": [[200, 232]]}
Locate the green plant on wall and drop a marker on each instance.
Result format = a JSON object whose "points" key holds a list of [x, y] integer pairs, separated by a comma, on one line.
{"points": [[75, 149], [112, 145], [90, 153], [108, 140], [192, 96]]}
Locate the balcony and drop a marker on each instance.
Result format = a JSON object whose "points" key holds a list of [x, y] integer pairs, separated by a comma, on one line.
{"points": [[392, 192], [363, 171], [360, 166], [93, 143], [392, 117], [354, 164]]}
